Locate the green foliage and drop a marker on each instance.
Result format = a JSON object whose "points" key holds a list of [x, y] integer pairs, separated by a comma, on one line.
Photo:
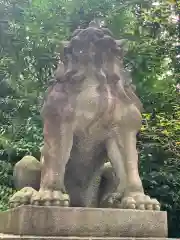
{"points": [[30, 35], [6, 188], [159, 144], [4, 197]]}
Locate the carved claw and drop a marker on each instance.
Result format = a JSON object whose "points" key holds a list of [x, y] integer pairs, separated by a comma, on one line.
{"points": [[28, 196], [50, 198], [21, 197], [140, 202], [128, 202]]}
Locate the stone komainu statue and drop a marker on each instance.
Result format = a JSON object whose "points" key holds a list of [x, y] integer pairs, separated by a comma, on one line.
{"points": [[91, 114]]}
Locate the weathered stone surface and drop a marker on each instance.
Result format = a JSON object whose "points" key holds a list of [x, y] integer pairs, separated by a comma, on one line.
{"points": [[83, 222], [90, 111]]}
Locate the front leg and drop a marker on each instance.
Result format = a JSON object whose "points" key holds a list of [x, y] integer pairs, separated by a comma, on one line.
{"points": [[130, 159], [58, 140], [124, 144], [134, 193]]}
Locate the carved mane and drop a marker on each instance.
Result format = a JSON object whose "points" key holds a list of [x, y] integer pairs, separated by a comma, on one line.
{"points": [[95, 47]]}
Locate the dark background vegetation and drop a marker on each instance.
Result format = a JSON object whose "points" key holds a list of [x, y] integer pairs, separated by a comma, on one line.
{"points": [[30, 35]]}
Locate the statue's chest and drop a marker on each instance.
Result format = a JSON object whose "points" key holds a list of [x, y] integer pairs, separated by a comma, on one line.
{"points": [[94, 103], [87, 101], [100, 108]]}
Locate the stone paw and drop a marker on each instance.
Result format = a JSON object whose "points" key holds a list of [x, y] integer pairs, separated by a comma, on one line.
{"points": [[22, 197], [50, 198], [140, 202]]}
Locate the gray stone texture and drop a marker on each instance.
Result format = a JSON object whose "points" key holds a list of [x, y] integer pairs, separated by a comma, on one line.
{"points": [[17, 237], [83, 222]]}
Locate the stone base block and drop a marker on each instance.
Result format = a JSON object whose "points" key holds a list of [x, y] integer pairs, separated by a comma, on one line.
{"points": [[87, 223], [17, 237]]}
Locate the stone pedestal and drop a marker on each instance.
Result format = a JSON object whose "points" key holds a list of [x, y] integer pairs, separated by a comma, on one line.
{"points": [[32, 222], [18, 237]]}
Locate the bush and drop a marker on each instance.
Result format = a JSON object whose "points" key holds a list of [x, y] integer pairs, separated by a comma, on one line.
{"points": [[6, 186]]}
